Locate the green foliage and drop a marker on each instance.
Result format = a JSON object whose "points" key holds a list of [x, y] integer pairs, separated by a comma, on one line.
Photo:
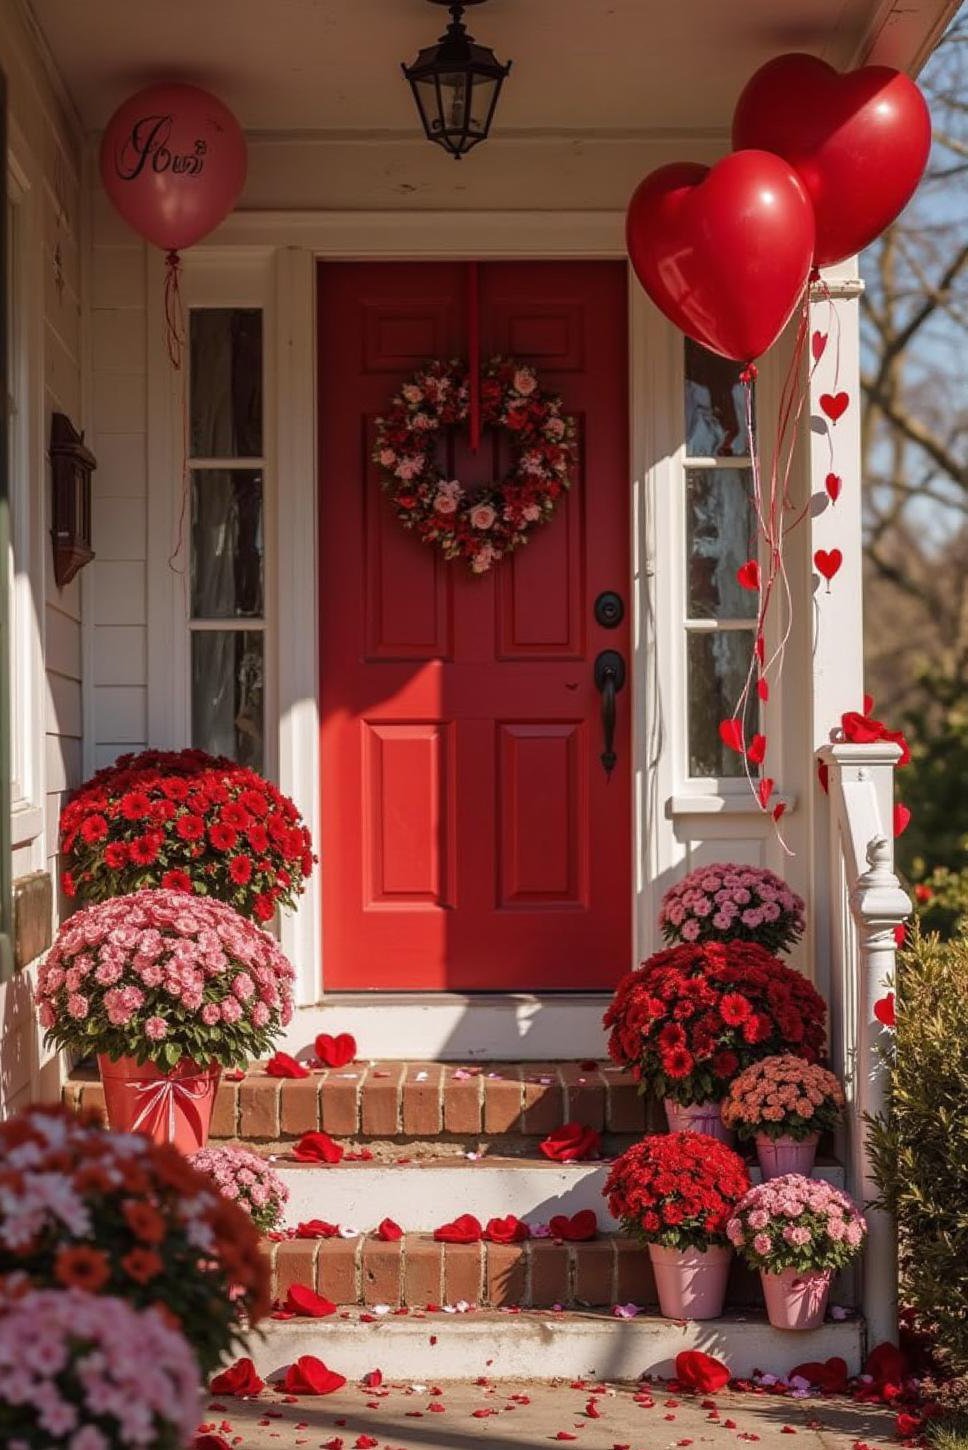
{"points": [[941, 902], [920, 1150], [935, 784]]}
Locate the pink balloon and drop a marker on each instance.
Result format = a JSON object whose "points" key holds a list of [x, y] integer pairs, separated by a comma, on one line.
{"points": [[173, 162]]}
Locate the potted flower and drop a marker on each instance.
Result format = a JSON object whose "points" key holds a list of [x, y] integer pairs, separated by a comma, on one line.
{"points": [[247, 1180], [88, 1372], [797, 1231], [167, 989], [784, 1103], [115, 1214], [188, 821], [692, 1017], [676, 1192], [732, 902]]}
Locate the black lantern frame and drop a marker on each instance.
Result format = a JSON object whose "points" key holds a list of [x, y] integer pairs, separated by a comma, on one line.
{"points": [[456, 84]]}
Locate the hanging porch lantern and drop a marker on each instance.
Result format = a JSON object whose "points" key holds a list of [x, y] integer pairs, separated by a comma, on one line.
{"points": [[456, 84]]}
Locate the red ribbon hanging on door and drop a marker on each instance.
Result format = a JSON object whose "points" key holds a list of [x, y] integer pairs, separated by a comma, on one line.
{"points": [[474, 351]]}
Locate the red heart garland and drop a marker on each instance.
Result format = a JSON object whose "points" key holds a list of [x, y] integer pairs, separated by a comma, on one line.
{"points": [[885, 1011], [731, 733], [828, 562], [389, 1231], [760, 647], [834, 405], [579, 1229], [833, 483], [463, 1230], [317, 1148], [239, 1379], [571, 1143], [763, 689], [282, 1065], [336, 1051], [508, 1230], [823, 776], [700, 1372], [305, 1301], [748, 575], [764, 790], [818, 344], [902, 819], [756, 752], [309, 1376], [317, 1228], [900, 935], [779, 810]]}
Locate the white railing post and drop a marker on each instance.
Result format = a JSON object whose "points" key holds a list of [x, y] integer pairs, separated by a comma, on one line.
{"points": [[861, 781]]}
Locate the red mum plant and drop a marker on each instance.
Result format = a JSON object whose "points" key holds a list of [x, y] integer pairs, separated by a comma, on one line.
{"points": [[677, 1189], [691, 1018], [185, 821], [115, 1214]]}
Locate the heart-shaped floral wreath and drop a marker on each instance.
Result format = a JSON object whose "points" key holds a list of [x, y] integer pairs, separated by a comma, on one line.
{"points": [[483, 524]]}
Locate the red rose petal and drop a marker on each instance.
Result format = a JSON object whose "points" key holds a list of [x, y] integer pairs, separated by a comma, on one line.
{"points": [[302, 1300], [317, 1148], [389, 1231], [571, 1143], [701, 1372], [463, 1230], [310, 1376], [282, 1065], [239, 1379], [579, 1228]]}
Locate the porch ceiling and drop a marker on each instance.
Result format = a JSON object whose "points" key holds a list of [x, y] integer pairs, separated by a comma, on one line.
{"points": [[331, 65]]}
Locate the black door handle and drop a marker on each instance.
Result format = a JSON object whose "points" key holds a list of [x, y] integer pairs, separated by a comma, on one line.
{"points": [[609, 679]]}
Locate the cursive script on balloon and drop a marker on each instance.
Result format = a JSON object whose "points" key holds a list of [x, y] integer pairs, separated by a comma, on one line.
{"points": [[147, 145]]}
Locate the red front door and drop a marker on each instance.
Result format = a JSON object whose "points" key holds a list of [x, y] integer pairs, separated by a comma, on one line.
{"points": [[471, 840]]}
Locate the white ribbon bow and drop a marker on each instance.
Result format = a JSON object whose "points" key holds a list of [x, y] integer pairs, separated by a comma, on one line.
{"points": [[161, 1094]]}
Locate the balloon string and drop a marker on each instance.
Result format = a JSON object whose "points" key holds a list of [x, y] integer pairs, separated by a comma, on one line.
{"points": [[174, 310]]}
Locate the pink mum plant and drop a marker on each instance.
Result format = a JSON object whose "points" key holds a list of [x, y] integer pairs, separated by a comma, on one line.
{"points": [[783, 1097], [246, 1180], [732, 902], [796, 1223]]}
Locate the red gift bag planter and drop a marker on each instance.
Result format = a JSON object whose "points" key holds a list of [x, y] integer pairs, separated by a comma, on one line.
{"points": [[786, 1155], [796, 1300], [698, 1118], [167, 1107], [691, 1283]]}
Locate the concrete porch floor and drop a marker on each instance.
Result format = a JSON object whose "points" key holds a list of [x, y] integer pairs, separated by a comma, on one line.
{"points": [[522, 1415]]}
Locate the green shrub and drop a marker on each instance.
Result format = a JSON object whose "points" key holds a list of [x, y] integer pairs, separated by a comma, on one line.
{"points": [[921, 1149], [941, 901]]}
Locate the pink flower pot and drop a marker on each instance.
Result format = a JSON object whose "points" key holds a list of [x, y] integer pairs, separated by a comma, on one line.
{"points": [[691, 1282], [698, 1118], [785, 1155], [174, 1107], [794, 1300]]}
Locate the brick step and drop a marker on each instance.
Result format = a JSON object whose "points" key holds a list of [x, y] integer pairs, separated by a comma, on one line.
{"points": [[416, 1272], [421, 1195], [538, 1345]]}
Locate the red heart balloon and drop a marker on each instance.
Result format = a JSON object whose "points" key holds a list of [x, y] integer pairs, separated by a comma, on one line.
{"points": [[859, 142], [834, 404], [724, 251], [335, 1051]]}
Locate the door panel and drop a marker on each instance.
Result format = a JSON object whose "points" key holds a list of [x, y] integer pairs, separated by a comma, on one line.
{"points": [[471, 840]]}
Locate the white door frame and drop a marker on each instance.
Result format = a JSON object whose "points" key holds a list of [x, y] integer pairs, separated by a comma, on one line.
{"points": [[291, 244]]}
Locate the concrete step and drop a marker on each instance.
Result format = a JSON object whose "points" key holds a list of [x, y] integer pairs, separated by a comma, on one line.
{"points": [[422, 1194], [541, 1345]]}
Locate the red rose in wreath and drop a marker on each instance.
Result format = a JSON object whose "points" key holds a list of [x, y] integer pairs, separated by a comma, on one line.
{"points": [[479, 525]]}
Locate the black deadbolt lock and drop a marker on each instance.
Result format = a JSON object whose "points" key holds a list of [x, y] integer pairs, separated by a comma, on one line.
{"points": [[609, 609]]}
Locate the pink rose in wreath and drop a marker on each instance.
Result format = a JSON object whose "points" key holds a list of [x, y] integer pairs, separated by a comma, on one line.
{"points": [[525, 382], [482, 516]]}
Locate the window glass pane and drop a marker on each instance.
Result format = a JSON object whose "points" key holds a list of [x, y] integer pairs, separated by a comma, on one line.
{"points": [[715, 405], [226, 382], [717, 665], [227, 543], [227, 694], [720, 538]]}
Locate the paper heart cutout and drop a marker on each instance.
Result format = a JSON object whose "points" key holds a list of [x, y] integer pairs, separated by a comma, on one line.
{"points": [[885, 1011], [316, 1228], [305, 1301], [240, 1379], [748, 575], [779, 810], [571, 1143], [833, 483], [700, 1372], [760, 648], [336, 1051], [818, 344], [309, 1376], [731, 733], [509, 1230], [463, 1230], [389, 1231], [830, 1376], [282, 1065], [823, 776], [828, 561], [868, 704], [756, 751], [902, 819], [834, 405], [317, 1148], [764, 790], [580, 1228], [763, 689]]}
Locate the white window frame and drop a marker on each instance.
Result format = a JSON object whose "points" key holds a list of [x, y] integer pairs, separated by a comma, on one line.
{"points": [[28, 491]]}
